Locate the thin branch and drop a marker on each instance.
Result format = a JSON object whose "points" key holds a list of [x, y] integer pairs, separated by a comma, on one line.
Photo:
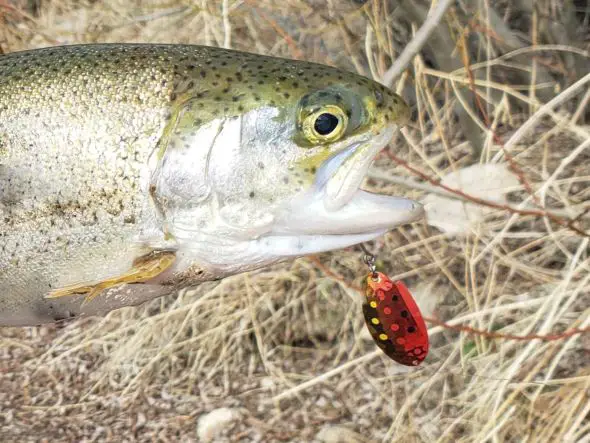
{"points": [[456, 194], [549, 337], [295, 51], [545, 109], [463, 328], [226, 25], [514, 167], [435, 16], [566, 222]]}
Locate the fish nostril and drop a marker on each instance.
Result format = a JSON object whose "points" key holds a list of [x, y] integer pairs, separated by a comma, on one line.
{"points": [[378, 97]]}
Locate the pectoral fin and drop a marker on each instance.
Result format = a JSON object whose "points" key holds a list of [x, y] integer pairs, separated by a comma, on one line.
{"points": [[144, 269]]}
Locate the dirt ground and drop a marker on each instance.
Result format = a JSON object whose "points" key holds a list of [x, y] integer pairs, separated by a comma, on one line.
{"points": [[500, 94]]}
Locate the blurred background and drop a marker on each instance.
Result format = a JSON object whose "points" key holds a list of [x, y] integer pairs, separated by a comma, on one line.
{"points": [[500, 94]]}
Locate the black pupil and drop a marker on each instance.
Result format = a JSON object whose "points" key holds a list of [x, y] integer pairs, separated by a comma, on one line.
{"points": [[325, 123]]}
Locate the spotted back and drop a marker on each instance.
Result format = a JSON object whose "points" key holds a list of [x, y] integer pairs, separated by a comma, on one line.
{"points": [[394, 320]]}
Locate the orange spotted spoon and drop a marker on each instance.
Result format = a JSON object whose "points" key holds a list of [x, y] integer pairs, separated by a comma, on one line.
{"points": [[394, 320]]}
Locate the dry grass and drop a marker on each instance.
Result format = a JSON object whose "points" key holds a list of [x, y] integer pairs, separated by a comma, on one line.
{"points": [[285, 347]]}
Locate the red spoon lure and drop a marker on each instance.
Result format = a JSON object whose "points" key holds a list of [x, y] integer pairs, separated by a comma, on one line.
{"points": [[394, 319]]}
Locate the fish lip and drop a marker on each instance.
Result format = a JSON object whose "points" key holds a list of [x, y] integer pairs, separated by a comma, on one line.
{"points": [[327, 170]]}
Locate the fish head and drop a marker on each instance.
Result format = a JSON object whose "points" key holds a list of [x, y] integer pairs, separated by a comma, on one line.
{"points": [[339, 130], [269, 165]]}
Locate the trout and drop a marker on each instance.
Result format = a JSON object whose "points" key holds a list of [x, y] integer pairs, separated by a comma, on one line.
{"points": [[129, 171]]}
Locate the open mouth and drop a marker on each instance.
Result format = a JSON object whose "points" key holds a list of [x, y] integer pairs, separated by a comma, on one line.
{"points": [[346, 170], [340, 177], [334, 213], [336, 206]]}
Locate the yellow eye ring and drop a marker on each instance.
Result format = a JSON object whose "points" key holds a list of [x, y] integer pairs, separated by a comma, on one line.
{"points": [[325, 125]]}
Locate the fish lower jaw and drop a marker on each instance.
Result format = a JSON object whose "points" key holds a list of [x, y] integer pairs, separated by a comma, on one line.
{"points": [[364, 213]]}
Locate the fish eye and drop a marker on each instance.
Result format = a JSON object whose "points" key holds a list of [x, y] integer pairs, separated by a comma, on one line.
{"points": [[326, 124]]}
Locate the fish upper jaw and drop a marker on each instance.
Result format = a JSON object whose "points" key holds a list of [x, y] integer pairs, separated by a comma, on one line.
{"points": [[341, 175]]}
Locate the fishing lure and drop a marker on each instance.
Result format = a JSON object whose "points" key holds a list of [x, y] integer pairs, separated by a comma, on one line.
{"points": [[393, 318]]}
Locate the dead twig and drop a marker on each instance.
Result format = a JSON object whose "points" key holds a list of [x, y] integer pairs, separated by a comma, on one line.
{"points": [[566, 222], [435, 16], [462, 328]]}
